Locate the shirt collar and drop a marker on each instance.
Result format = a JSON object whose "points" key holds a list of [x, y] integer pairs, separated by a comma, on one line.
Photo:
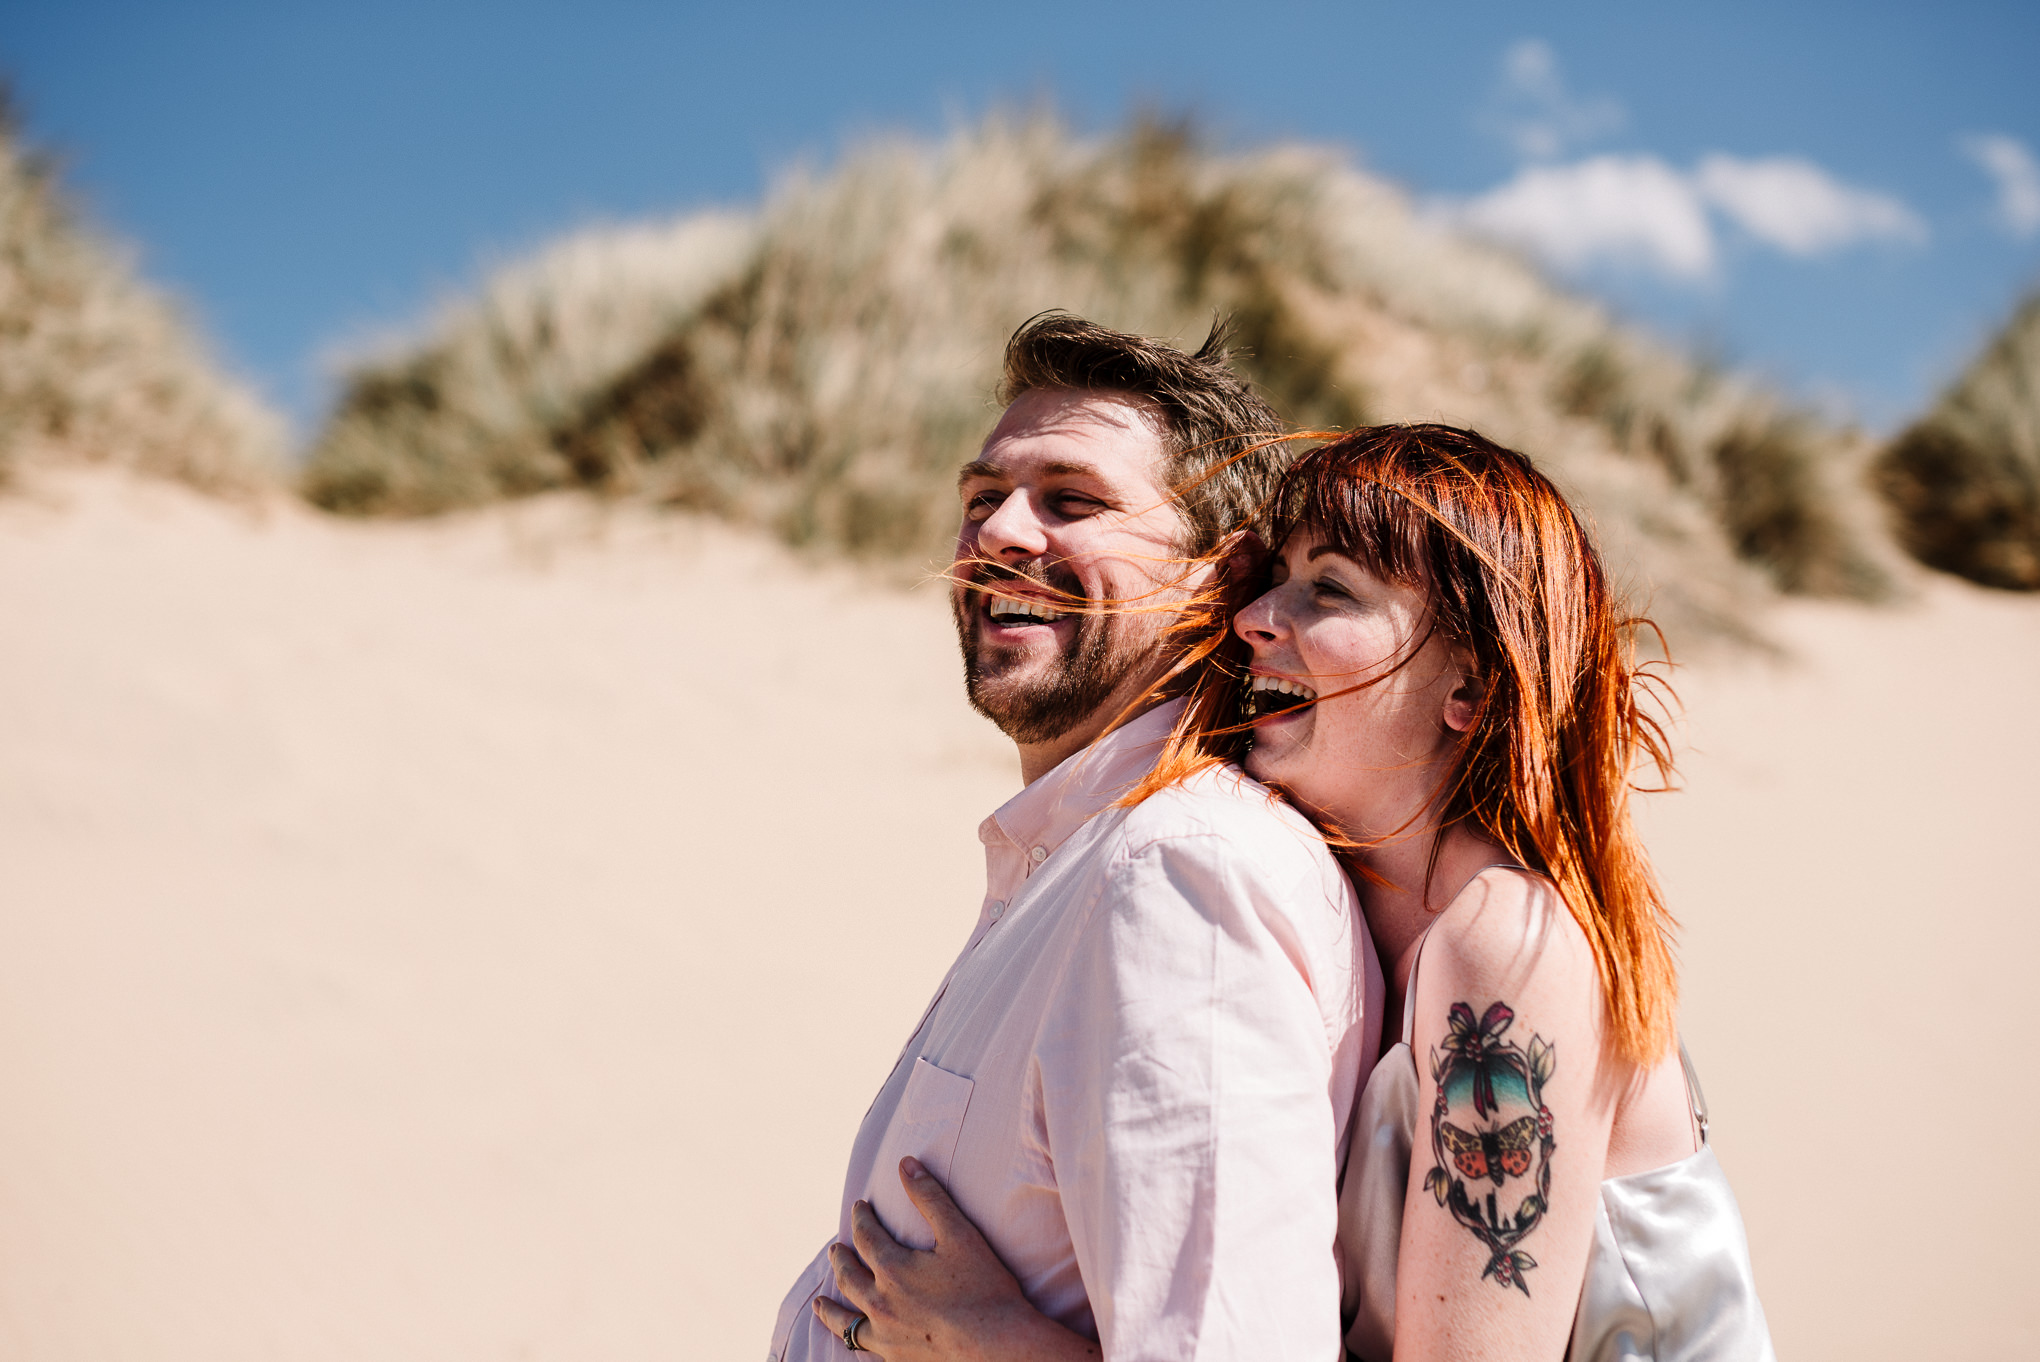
{"points": [[1056, 805]]}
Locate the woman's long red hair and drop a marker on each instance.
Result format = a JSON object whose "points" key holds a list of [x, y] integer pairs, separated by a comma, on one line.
{"points": [[1513, 579]]}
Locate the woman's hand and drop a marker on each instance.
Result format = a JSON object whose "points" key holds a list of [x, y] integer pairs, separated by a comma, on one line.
{"points": [[954, 1301]]}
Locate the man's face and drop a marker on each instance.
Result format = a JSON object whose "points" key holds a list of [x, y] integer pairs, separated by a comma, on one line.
{"points": [[1066, 518]]}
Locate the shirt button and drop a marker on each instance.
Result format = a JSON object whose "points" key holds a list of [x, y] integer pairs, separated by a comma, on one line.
{"points": [[997, 909], [1038, 855]]}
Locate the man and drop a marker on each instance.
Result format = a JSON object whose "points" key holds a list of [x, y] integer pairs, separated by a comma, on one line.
{"points": [[1136, 1077]]}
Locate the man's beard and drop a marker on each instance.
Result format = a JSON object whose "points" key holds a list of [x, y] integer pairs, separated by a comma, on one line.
{"points": [[1102, 652]]}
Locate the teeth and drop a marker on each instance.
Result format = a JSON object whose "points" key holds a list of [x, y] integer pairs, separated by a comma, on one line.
{"points": [[1280, 686], [1007, 609]]}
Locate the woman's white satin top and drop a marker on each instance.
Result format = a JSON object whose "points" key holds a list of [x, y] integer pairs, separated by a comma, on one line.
{"points": [[1668, 1278]]}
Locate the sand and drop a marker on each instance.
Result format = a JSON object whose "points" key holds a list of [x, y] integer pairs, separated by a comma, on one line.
{"points": [[479, 939]]}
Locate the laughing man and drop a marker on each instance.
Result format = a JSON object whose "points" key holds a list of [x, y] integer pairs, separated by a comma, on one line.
{"points": [[1137, 1075]]}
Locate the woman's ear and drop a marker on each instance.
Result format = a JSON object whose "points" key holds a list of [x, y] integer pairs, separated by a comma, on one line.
{"points": [[1468, 696]]}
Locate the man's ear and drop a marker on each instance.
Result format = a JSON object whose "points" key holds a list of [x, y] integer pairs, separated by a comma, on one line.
{"points": [[1244, 561], [1469, 695]]}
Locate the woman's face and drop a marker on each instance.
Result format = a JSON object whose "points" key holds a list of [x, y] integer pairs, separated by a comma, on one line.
{"points": [[1367, 756]]}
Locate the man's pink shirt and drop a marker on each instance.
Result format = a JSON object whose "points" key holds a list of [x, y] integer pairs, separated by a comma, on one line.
{"points": [[1137, 1076]]}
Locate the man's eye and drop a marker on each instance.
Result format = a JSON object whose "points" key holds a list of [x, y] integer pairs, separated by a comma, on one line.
{"points": [[981, 506], [1075, 504]]}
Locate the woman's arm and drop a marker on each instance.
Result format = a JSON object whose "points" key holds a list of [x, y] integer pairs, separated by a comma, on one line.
{"points": [[1518, 1099], [955, 1301]]}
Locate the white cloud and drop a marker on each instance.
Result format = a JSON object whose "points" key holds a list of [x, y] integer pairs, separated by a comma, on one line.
{"points": [[1637, 211], [2008, 161], [1799, 208], [1538, 115], [1632, 210]]}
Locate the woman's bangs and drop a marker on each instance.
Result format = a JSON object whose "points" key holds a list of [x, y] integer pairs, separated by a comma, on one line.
{"points": [[1332, 493]]}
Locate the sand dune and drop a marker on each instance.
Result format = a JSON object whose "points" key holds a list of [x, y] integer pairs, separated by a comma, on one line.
{"points": [[479, 939]]}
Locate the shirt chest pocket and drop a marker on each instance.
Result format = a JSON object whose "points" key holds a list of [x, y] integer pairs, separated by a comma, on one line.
{"points": [[929, 1119]]}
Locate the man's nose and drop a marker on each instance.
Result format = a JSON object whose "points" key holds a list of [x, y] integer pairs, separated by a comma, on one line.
{"points": [[1013, 530]]}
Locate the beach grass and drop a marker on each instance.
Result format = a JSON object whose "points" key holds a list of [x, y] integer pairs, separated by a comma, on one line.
{"points": [[821, 366], [97, 365], [1963, 482]]}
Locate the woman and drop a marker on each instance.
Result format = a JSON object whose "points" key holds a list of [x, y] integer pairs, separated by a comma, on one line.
{"points": [[1437, 674]]}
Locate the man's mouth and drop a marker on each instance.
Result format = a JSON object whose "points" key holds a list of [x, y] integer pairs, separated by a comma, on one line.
{"points": [[1004, 610], [1010, 604], [1268, 695]]}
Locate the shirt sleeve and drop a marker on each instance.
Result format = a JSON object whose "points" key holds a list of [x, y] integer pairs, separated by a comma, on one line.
{"points": [[1186, 1089]]}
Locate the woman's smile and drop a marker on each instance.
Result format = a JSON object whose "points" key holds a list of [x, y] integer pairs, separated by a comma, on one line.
{"points": [[1268, 695]]}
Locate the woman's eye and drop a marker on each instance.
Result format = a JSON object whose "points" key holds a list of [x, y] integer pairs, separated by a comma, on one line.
{"points": [[1330, 590]]}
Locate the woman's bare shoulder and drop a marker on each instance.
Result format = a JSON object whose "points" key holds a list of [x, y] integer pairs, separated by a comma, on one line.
{"points": [[1509, 933]]}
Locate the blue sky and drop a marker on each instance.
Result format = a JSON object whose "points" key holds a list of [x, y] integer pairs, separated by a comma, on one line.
{"points": [[1843, 197]]}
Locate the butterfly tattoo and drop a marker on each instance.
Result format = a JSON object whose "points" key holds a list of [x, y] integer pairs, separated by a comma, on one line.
{"points": [[1492, 1153], [1492, 1083]]}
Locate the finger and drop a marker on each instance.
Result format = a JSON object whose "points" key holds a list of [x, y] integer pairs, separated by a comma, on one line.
{"points": [[935, 1204], [873, 1241], [836, 1317], [854, 1281]]}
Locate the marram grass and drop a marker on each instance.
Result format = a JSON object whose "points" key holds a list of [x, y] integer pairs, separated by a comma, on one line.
{"points": [[97, 366], [822, 367], [1963, 482]]}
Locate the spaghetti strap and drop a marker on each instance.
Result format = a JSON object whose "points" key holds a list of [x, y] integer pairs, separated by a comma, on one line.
{"points": [[1695, 1098], [1409, 997]]}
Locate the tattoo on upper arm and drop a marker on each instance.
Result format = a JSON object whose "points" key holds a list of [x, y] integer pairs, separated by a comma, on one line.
{"points": [[1490, 1126]]}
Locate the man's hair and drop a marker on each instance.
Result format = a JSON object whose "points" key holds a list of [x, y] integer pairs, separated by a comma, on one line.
{"points": [[1213, 418]]}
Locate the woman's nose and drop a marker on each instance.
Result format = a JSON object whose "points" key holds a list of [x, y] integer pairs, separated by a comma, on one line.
{"points": [[1012, 530], [1260, 622]]}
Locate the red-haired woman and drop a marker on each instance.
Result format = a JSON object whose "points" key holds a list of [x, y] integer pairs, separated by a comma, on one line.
{"points": [[1438, 674]]}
